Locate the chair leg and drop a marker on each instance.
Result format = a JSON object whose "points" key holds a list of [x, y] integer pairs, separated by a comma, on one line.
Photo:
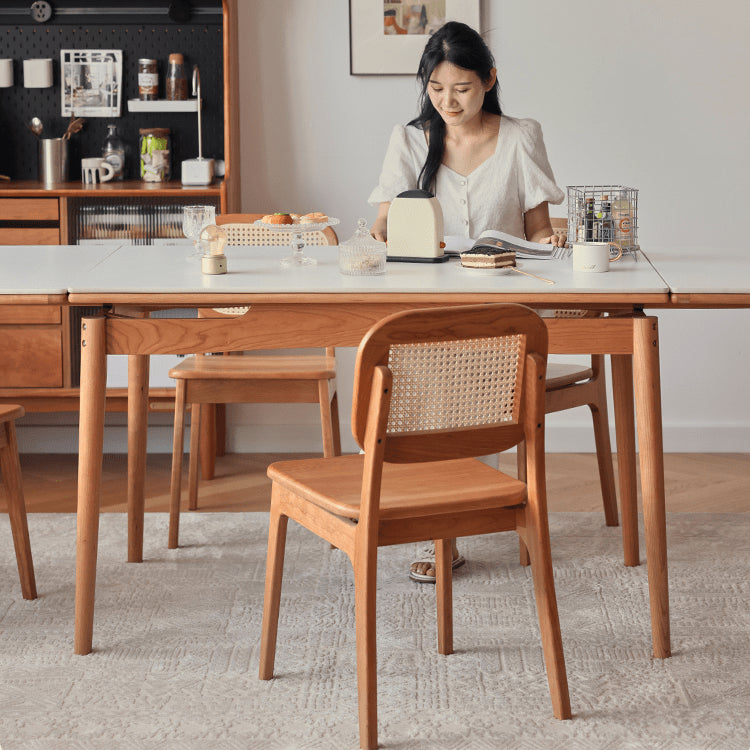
{"points": [[523, 553], [194, 462], [365, 581], [604, 449], [177, 448], [444, 591], [10, 467], [329, 419], [272, 596], [208, 442], [549, 621]]}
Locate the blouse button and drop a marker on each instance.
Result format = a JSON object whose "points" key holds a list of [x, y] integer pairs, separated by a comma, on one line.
{"points": [[466, 221], [463, 201], [463, 182]]}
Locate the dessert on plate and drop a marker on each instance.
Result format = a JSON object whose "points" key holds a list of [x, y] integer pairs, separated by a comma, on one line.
{"points": [[485, 257]]}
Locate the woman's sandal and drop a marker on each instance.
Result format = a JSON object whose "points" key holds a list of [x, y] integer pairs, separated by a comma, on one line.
{"points": [[427, 555]]}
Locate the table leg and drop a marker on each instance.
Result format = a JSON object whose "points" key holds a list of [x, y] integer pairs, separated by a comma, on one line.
{"points": [[90, 448], [622, 391], [138, 367], [648, 412]]}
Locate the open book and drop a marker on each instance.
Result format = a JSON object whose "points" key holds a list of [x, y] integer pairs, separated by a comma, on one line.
{"points": [[493, 239]]}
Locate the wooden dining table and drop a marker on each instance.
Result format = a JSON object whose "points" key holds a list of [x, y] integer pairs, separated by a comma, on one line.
{"points": [[317, 306]]}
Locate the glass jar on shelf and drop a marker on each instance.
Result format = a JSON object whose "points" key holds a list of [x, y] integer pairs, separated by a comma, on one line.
{"points": [[148, 79], [176, 88], [155, 149]]}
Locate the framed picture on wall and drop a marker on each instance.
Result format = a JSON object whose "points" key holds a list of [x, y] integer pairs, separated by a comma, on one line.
{"points": [[386, 37], [91, 82]]}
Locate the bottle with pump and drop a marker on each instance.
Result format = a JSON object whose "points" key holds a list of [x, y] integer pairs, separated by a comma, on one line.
{"points": [[114, 152]]}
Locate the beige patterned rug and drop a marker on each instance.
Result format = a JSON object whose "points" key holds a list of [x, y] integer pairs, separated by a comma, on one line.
{"points": [[176, 644]]}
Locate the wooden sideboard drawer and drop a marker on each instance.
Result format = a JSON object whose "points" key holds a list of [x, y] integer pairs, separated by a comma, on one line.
{"points": [[29, 236], [35, 314], [32, 357], [29, 209]]}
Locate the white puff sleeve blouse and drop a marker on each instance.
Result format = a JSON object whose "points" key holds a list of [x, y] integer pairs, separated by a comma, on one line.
{"points": [[515, 179]]}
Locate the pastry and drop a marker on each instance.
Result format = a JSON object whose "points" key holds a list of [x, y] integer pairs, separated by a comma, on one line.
{"points": [[278, 218], [484, 257], [316, 217]]}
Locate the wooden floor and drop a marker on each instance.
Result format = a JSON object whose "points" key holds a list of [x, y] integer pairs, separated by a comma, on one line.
{"points": [[695, 482]]}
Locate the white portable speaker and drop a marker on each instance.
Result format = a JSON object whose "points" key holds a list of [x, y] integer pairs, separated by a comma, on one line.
{"points": [[415, 228]]}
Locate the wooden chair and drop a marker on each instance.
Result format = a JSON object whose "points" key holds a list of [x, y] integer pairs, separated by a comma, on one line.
{"points": [[433, 389], [10, 468], [276, 378], [569, 385]]}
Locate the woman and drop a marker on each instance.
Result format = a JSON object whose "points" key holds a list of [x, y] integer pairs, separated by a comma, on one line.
{"points": [[488, 170]]}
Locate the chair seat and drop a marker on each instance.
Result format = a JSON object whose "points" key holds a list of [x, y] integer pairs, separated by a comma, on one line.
{"points": [[432, 488], [563, 374], [10, 411], [257, 367]]}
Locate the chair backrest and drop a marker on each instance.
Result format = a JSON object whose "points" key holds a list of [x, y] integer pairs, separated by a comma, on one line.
{"points": [[241, 230], [456, 381]]}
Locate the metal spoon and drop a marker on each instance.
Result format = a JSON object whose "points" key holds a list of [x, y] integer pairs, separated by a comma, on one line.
{"points": [[36, 126]]}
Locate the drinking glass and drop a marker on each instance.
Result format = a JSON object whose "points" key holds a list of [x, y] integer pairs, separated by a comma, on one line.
{"points": [[194, 218]]}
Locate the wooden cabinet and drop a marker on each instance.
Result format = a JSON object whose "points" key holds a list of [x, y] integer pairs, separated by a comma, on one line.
{"points": [[29, 221], [39, 344]]}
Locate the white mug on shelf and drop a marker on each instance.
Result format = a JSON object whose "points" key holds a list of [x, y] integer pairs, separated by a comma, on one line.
{"points": [[37, 73], [594, 257], [96, 169], [6, 73]]}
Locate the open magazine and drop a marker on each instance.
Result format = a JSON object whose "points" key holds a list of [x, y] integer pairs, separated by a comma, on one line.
{"points": [[493, 239]]}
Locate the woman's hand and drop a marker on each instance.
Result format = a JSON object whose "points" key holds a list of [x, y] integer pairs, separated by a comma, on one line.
{"points": [[538, 227], [554, 239], [379, 228]]}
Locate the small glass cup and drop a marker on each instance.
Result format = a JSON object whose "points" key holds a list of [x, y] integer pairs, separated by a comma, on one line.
{"points": [[194, 219]]}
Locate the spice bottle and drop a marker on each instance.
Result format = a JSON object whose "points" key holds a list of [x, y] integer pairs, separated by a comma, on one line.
{"points": [[605, 223], [176, 88], [155, 151], [114, 151], [589, 220], [148, 79]]}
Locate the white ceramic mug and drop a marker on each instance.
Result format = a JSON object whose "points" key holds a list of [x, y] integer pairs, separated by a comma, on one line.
{"points": [[594, 257], [6, 73], [37, 73], [92, 168]]}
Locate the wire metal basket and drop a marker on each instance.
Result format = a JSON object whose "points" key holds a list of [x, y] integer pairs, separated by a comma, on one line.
{"points": [[603, 213]]}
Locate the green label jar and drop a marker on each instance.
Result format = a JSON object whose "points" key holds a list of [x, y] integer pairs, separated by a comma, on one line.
{"points": [[155, 148]]}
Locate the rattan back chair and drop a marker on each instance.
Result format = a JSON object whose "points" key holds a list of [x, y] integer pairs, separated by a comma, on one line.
{"points": [[433, 390], [252, 378]]}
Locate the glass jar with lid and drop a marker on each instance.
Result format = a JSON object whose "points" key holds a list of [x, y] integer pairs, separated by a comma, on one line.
{"points": [[361, 254], [176, 88], [148, 79], [155, 149]]}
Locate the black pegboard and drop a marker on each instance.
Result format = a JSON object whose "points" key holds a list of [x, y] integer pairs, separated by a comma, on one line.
{"points": [[200, 43]]}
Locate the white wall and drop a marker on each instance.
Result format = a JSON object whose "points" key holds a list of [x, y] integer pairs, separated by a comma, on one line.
{"points": [[649, 95]]}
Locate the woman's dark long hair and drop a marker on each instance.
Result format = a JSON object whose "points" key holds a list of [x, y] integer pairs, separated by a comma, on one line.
{"points": [[460, 45]]}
